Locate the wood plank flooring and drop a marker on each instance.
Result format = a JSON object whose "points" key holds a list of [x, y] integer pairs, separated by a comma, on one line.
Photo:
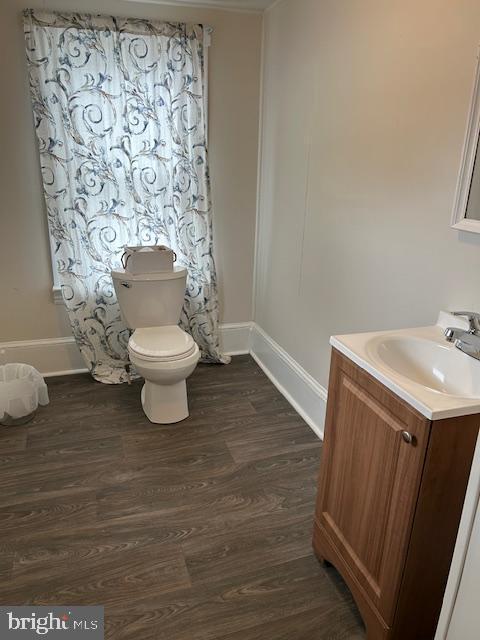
{"points": [[195, 531]]}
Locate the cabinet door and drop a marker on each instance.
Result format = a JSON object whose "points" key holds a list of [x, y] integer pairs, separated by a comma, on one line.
{"points": [[369, 480]]}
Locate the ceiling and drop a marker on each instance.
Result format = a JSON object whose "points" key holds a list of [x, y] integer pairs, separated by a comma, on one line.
{"points": [[245, 5]]}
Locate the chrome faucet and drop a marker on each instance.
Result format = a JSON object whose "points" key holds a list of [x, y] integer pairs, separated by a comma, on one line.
{"points": [[466, 341]]}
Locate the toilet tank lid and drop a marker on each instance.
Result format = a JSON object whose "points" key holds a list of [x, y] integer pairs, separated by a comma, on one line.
{"points": [[178, 272]]}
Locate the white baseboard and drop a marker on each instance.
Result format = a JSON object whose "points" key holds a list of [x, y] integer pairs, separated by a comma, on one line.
{"points": [[303, 392], [235, 338], [50, 356], [60, 356]]}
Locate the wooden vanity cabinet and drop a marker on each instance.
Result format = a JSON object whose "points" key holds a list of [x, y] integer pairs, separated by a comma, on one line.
{"points": [[391, 491]]}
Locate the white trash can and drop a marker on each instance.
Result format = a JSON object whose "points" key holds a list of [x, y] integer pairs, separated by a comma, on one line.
{"points": [[22, 389]]}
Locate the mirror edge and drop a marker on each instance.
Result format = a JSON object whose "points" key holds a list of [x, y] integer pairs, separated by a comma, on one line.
{"points": [[469, 152]]}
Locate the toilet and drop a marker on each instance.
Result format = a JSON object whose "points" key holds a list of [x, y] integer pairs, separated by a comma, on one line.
{"points": [[162, 353]]}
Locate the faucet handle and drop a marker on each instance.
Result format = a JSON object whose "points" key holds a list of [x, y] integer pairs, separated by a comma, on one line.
{"points": [[473, 319]]}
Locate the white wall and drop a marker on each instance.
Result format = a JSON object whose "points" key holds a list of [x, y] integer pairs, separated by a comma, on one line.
{"points": [[365, 107], [27, 310], [460, 616], [465, 622]]}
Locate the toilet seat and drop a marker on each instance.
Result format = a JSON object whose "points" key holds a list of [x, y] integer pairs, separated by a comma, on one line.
{"points": [[161, 344]]}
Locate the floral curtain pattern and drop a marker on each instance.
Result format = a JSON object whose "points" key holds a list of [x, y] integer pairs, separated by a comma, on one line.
{"points": [[119, 112]]}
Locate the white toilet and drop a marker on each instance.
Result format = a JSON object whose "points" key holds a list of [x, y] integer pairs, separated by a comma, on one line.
{"points": [[161, 352]]}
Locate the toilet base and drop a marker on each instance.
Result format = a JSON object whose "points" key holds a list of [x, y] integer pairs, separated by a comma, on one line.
{"points": [[165, 404]]}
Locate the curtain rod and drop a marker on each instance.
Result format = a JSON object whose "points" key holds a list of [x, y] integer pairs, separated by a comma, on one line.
{"points": [[208, 28]]}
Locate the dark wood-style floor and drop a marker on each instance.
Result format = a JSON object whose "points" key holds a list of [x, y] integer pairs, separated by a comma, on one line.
{"points": [[200, 530]]}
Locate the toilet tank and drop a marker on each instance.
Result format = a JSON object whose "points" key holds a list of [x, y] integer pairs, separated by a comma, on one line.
{"points": [[150, 299]]}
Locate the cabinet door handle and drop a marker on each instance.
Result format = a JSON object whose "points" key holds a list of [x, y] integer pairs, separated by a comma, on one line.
{"points": [[407, 437]]}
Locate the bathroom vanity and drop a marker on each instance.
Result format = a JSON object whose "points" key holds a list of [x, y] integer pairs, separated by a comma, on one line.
{"points": [[402, 422]]}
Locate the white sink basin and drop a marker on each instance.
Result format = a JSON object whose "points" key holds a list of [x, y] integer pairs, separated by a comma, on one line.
{"points": [[420, 366], [435, 366]]}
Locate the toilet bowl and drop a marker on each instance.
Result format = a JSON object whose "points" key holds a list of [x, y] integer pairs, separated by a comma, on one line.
{"points": [[164, 357], [161, 352]]}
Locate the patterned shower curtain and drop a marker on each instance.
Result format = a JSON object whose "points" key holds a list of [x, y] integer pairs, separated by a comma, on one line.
{"points": [[119, 112]]}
